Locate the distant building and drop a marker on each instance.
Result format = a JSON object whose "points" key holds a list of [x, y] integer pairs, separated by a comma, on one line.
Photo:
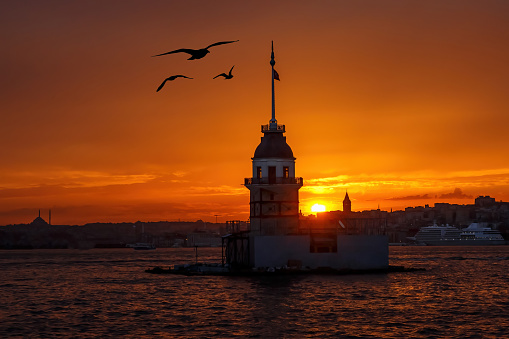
{"points": [[40, 221], [347, 204], [484, 201]]}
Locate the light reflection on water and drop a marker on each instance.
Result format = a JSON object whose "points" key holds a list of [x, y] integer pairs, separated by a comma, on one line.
{"points": [[105, 292]]}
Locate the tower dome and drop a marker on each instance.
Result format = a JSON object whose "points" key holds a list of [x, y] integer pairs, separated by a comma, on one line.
{"points": [[273, 145]]}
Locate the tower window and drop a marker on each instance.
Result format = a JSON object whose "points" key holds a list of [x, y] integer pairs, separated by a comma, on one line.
{"points": [[272, 196], [259, 172], [286, 172]]}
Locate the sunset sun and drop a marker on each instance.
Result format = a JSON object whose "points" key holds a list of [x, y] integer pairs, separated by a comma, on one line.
{"points": [[318, 208]]}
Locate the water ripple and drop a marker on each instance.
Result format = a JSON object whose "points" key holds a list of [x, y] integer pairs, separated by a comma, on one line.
{"points": [[65, 293]]}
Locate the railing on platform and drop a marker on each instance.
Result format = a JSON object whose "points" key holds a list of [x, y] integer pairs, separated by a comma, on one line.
{"points": [[271, 181], [237, 226], [280, 128], [347, 226], [235, 245]]}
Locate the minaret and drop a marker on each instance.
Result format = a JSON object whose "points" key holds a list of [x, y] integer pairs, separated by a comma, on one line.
{"points": [[274, 189], [347, 204]]}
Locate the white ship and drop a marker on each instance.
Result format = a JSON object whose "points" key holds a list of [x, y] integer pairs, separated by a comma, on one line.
{"points": [[429, 235], [479, 232], [474, 234]]}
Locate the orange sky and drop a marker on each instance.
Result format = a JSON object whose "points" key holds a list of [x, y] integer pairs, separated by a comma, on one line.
{"points": [[402, 103]]}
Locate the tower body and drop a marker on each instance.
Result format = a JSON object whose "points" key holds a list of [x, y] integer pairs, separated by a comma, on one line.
{"points": [[274, 189]]}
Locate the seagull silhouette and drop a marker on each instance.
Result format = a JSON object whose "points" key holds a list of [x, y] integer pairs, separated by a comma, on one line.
{"points": [[196, 53], [173, 77], [226, 76]]}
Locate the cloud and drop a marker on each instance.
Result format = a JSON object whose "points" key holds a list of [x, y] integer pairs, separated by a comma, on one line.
{"points": [[336, 180], [180, 174], [69, 178], [411, 197], [224, 190], [457, 194]]}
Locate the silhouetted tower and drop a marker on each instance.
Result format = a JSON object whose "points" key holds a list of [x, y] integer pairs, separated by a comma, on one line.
{"points": [[347, 204], [274, 189]]}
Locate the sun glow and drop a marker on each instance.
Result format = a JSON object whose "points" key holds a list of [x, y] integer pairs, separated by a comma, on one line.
{"points": [[317, 208]]}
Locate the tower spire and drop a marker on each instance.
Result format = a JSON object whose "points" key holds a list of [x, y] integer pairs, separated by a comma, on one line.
{"points": [[273, 121]]}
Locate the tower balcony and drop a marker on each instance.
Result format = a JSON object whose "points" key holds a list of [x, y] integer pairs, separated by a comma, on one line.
{"points": [[273, 181], [273, 127]]}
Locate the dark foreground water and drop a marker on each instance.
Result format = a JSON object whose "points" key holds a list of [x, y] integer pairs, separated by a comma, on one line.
{"points": [[464, 293]]}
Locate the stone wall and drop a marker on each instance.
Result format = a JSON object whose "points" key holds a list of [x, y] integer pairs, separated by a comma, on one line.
{"points": [[358, 252]]}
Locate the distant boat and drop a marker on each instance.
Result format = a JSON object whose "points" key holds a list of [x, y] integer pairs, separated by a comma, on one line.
{"points": [[474, 234], [142, 246], [480, 233]]}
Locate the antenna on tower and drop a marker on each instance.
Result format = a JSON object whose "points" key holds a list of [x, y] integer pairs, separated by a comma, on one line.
{"points": [[273, 121]]}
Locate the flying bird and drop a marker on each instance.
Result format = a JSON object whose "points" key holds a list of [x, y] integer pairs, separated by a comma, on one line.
{"points": [[197, 53], [173, 77], [226, 76]]}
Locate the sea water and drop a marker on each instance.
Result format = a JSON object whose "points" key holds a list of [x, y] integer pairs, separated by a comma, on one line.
{"points": [[462, 293]]}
